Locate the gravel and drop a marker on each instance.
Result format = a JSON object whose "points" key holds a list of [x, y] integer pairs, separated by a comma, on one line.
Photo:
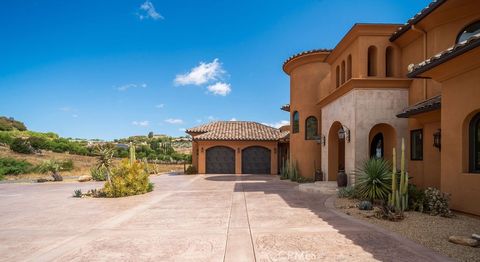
{"points": [[430, 231]]}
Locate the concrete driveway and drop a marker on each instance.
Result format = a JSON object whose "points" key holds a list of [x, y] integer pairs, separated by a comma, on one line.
{"points": [[189, 218]]}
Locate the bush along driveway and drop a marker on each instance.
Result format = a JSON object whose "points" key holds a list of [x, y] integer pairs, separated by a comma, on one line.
{"points": [[193, 218]]}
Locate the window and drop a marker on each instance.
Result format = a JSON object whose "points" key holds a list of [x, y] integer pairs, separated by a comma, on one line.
{"points": [[389, 62], [372, 61], [474, 145], [343, 72], [311, 128], [338, 76], [295, 122], [349, 67], [469, 31], [416, 144]]}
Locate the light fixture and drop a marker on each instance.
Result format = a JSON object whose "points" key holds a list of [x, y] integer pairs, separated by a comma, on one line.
{"points": [[344, 133], [437, 137], [320, 140]]}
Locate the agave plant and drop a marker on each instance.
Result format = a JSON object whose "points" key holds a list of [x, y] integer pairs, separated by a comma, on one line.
{"points": [[105, 160], [374, 180]]}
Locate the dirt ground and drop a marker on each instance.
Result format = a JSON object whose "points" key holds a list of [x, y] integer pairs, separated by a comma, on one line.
{"points": [[430, 231]]}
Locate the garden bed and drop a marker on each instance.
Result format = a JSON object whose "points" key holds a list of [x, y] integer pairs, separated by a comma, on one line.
{"points": [[430, 231]]}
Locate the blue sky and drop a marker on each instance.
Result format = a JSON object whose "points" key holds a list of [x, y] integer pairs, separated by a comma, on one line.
{"points": [[110, 69]]}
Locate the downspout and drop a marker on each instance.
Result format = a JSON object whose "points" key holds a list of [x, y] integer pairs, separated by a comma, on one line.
{"points": [[414, 28]]}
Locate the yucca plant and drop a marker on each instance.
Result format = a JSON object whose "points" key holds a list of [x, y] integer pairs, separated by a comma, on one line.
{"points": [[374, 180], [51, 166], [105, 160]]}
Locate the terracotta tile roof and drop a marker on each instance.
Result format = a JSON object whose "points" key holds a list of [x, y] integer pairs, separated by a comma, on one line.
{"points": [[452, 52], [305, 53], [417, 18], [428, 105], [235, 130]]}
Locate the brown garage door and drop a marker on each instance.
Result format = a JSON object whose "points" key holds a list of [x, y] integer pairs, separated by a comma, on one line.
{"points": [[256, 160], [220, 160]]}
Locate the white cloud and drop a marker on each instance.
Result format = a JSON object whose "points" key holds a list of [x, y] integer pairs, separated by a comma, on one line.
{"points": [[233, 119], [201, 74], [141, 123], [160, 106], [174, 121], [278, 124], [219, 88], [182, 129], [147, 10], [129, 86]]}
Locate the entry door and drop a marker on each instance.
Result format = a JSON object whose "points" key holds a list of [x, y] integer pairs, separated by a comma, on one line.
{"points": [[220, 160], [256, 160]]}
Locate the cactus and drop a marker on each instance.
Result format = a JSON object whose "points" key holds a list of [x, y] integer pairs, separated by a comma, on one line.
{"points": [[132, 153], [399, 196]]}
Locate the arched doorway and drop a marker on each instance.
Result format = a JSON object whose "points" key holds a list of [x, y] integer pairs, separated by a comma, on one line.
{"points": [[336, 151], [382, 139], [256, 160], [220, 160]]}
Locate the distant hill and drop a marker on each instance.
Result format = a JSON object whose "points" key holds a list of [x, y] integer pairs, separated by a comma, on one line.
{"points": [[10, 124]]}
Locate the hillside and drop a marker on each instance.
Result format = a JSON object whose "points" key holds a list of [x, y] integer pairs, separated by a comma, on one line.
{"points": [[9, 124]]}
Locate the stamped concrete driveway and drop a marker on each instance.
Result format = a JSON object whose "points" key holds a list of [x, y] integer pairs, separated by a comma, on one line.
{"points": [[189, 218]]}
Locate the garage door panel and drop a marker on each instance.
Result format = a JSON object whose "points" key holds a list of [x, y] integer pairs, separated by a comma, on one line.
{"points": [[220, 160], [256, 160]]}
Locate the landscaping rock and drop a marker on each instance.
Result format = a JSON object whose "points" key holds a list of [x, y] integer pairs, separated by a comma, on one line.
{"points": [[42, 180], [57, 177], [84, 178], [462, 240], [476, 236]]}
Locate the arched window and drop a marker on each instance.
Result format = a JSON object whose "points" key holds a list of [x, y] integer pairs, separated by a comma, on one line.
{"points": [[474, 145], [469, 31], [295, 122], [311, 128], [349, 67], [343, 72], [389, 62], [338, 76], [372, 61]]}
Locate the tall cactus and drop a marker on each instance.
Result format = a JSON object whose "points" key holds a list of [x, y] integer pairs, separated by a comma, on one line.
{"points": [[399, 195], [132, 153]]}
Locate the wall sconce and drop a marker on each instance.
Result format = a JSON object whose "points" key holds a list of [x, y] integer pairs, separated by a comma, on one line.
{"points": [[344, 133], [202, 149], [437, 137], [320, 140]]}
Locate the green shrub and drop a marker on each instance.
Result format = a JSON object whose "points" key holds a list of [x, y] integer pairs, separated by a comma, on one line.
{"points": [[416, 198], [365, 205], [8, 124], [293, 172], [301, 179], [98, 173], [66, 165], [128, 180], [6, 138], [10, 166], [77, 193], [51, 166], [38, 142], [436, 203], [191, 170], [374, 180], [22, 146], [347, 192]]}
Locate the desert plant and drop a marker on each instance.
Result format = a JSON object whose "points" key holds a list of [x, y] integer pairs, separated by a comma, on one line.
{"points": [[128, 180], [105, 160], [389, 212], [346, 192], [132, 153], [373, 182], [11, 166], [416, 198], [191, 170], [98, 173], [399, 189], [302, 179], [293, 171], [436, 203], [51, 166], [284, 171], [77, 193], [365, 205], [66, 165], [22, 146]]}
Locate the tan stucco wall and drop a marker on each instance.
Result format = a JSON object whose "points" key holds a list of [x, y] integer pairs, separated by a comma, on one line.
{"points": [[238, 146], [360, 110]]}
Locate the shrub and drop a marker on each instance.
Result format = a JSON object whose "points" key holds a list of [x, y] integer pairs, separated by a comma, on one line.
{"points": [[38, 142], [77, 193], [301, 179], [374, 180], [191, 170], [10, 166], [416, 198], [98, 173], [66, 165], [365, 205], [51, 166], [436, 203], [6, 138], [22, 146], [346, 192], [128, 180], [293, 172]]}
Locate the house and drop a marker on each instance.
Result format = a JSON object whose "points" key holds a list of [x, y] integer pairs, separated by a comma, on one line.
{"points": [[237, 147], [383, 82]]}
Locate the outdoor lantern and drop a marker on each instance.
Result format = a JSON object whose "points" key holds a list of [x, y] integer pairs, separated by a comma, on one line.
{"points": [[437, 136], [344, 133], [341, 133], [323, 140]]}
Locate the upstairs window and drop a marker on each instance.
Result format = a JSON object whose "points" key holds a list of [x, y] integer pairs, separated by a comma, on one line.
{"points": [[338, 76], [349, 67], [474, 145], [343, 72], [311, 128], [469, 31], [416, 144], [389, 62], [372, 61], [295, 122]]}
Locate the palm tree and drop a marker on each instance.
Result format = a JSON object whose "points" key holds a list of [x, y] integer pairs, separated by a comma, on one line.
{"points": [[105, 159]]}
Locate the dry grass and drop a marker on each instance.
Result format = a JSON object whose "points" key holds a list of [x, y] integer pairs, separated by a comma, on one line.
{"points": [[82, 165], [430, 231]]}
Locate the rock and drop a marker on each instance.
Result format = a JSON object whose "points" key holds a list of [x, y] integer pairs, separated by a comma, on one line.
{"points": [[84, 178], [57, 177], [42, 180], [476, 236], [462, 240]]}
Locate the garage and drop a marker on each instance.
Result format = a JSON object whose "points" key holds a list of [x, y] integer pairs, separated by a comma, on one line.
{"points": [[220, 160], [256, 160]]}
